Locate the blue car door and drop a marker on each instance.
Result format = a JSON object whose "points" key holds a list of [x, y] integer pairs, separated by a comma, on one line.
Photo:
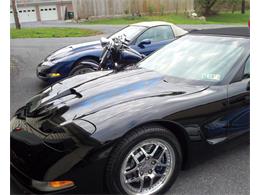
{"points": [[150, 48], [153, 39]]}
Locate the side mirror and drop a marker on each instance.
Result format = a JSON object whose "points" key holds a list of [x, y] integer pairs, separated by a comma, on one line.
{"points": [[246, 76], [144, 42]]}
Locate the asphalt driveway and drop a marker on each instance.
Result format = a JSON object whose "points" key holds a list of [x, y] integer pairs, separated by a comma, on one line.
{"points": [[227, 173]]}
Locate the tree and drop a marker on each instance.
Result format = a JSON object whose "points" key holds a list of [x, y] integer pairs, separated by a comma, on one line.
{"points": [[233, 4], [206, 6], [16, 18], [243, 7]]}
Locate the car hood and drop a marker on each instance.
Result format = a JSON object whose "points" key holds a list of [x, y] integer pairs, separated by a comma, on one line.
{"points": [[72, 49], [85, 94]]}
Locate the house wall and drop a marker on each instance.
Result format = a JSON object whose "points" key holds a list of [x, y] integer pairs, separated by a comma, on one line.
{"points": [[60, 5]]}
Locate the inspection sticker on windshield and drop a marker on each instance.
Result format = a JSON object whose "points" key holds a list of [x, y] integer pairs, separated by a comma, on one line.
{"points": [[215, 77]]}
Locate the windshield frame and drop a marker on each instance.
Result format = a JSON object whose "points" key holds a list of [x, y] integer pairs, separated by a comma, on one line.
{"points": [[227, 79]]}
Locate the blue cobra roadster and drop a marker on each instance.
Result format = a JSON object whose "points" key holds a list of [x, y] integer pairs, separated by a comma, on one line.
{"points": [[145, 37]]}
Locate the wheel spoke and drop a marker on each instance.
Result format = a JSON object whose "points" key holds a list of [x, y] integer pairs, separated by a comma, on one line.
{"points": [[161, 155], [141, 185], [154, 150], [144, 152], [151, 182], [135, 159], [136, 179], [130, 171]]}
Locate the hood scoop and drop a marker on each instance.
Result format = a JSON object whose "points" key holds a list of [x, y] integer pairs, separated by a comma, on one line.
{"points": [[65, 93], [37, 105]]}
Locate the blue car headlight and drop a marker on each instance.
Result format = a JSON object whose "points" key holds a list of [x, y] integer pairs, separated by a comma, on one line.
{"points": [[54, 74]]}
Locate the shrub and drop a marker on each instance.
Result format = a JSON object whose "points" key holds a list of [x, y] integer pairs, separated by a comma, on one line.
{"points": [[205, 7], [151, 9], [162, 9]]}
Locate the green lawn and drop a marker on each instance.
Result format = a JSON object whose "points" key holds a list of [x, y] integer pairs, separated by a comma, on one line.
{"points": [[50, 32], [221, 18], [229, 18]]}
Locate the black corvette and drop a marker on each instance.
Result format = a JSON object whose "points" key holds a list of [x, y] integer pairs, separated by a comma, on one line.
{"points": [[131, 132]]}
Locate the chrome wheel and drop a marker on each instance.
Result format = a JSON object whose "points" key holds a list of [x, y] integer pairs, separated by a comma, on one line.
{"points": [[147, 167]]}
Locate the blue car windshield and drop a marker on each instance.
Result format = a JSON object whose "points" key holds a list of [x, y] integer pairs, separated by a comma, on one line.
{"points": [[197, 57], [130, 32]]}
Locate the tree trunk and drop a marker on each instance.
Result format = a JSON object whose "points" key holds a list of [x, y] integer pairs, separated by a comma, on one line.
{"points": [[243, 7], [16, 18], [207, 11], [207, 7]]}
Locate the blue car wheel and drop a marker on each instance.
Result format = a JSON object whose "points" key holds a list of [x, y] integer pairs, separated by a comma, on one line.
{"points": [[84, 66]]}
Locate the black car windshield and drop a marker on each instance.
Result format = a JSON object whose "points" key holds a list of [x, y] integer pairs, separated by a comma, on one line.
{"points": [[197, 57], [130, 32]]}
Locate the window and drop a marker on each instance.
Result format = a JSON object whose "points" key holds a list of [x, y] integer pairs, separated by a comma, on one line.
{"points": [[130, 32], [33, 10], [28, 10], [20, 11], [247, 69], [197, 57], [155, 34], [54, 8], [11, 12], [50, 9], [24, 10], [46, 9], [41, 9]]}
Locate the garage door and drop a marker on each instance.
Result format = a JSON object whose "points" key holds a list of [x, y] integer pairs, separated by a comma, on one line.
{"points": [[25, 14], [48, 13]]}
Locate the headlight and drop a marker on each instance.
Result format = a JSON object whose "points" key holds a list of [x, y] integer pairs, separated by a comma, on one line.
{"points": [[55, 74]]}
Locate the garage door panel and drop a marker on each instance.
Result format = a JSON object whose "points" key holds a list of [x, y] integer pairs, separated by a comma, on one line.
{"points": [[25, 14], [48, 13]]}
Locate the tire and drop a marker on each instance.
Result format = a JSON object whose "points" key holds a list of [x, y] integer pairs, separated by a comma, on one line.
{"points": [[142, 142], [82, 69]]}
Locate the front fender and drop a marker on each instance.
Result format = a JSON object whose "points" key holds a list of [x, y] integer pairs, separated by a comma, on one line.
{"points": [[92, 54], [65, 65], [115, 121]]}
